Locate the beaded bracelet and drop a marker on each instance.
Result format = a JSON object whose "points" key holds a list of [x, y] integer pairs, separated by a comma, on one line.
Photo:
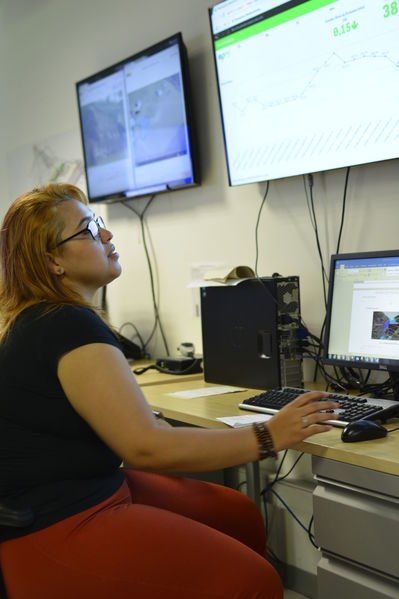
{"points": [[265, 441]]}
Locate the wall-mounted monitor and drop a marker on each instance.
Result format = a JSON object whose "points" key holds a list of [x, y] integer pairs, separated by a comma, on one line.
{"points": [[137, 126], [306, 85], [362, 324]]}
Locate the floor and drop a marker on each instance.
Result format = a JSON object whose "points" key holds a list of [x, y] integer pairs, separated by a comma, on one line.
{"points": [[293, 595]]}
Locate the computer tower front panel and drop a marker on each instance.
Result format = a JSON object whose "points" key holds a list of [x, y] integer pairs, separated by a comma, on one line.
{"points": [[288, 322]]}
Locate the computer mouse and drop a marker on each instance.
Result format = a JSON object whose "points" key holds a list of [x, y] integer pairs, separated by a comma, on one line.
{"points": [[363, 430]]}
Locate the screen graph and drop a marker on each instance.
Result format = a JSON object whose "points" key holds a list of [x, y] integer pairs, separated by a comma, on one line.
{"points": [[307, 86]]}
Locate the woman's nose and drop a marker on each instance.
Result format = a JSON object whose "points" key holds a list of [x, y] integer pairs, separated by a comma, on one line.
{"points": [[105, 235]]}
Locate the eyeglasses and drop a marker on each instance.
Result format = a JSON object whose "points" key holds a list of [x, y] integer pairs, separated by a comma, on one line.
{"points": [[93, 227]]}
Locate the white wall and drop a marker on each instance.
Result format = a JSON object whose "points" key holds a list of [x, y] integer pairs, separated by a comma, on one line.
{"points": [[51, 44], [3, 174]]}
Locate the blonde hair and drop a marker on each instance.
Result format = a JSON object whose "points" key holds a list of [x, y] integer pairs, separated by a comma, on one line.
{"points": [[31, 228]]}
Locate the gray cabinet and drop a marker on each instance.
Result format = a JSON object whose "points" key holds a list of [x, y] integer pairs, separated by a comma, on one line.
{"points": [[356, 518]]}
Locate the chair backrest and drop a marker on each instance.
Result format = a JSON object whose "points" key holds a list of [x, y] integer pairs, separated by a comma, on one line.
{"points": [[16, 518]]}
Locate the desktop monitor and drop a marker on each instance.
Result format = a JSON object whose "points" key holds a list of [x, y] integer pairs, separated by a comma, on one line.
{"points": [[306, 85], [362, 323], [136, 125]]}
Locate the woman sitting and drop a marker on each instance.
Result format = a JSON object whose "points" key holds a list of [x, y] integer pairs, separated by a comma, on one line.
{"points": [[71, 411]]}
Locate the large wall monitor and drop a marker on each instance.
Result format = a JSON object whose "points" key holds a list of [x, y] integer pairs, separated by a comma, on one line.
{"points": [[362, 326], [306, 86], [136, 125]]}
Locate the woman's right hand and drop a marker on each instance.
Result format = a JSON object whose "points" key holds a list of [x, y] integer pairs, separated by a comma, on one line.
{"points": [[301, 418]]}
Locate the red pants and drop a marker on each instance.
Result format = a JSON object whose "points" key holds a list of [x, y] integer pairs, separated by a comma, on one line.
{"points": [[156, 537]]}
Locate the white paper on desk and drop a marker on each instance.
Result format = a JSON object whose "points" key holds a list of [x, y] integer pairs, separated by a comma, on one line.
{"points": [[245, 420], [205, 391]]}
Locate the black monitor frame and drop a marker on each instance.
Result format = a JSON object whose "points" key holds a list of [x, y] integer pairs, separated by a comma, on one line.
{"points": [[389, 365], [124, 192], [285, 107]]}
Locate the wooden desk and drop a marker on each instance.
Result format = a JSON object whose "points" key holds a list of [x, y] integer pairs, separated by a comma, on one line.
{"points": [[154, 377], [199, 411], [356, 499], [381, 455]]}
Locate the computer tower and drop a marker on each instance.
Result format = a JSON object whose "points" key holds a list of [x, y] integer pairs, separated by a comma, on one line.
{"points": [[249, 333]]}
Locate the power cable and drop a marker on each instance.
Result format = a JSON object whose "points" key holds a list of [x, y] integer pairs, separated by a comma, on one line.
{"points": [[316, 230], [137, 332], [155, 306], [313, 220], [270, 489], [343, 209], [257, 227]]}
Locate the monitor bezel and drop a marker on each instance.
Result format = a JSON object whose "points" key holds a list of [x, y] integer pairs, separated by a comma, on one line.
{"points": [[292, 174], [384, 365], [188, 106]]}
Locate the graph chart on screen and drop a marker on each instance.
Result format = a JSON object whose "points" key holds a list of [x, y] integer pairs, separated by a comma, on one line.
{"points": [[309, 88]]}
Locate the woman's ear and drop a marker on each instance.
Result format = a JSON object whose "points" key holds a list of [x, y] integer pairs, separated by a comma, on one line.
{"points": [[54, 265]]}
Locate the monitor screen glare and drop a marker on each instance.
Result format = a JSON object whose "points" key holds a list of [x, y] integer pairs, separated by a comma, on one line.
{"points": [[135, 127], [306, 85], [363, 311]]}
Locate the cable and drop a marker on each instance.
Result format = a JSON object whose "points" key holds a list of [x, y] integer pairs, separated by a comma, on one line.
{"points": [[320, 349], [289, 510], [315, 228], [269, 489], [277, 479], [310, 535], [341, 384], [280, 466], [137, 333], [257, 226], [313, 220], [343, 209], [263, 283], [265, 287], [240, 485], [313, 347], [345, 379], [155, 306], [263, 495], [308, 204], [290, 470]]}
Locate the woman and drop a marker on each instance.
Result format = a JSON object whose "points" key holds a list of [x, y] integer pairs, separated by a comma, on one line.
{"points": [[71, 410]]}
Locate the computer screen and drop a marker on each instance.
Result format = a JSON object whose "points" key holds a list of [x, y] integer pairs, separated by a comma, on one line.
{"points": [[362, 324], [306, 86], [136, 125]]}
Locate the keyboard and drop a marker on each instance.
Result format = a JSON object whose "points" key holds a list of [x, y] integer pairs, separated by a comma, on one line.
{"points": [[351, 407]]}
